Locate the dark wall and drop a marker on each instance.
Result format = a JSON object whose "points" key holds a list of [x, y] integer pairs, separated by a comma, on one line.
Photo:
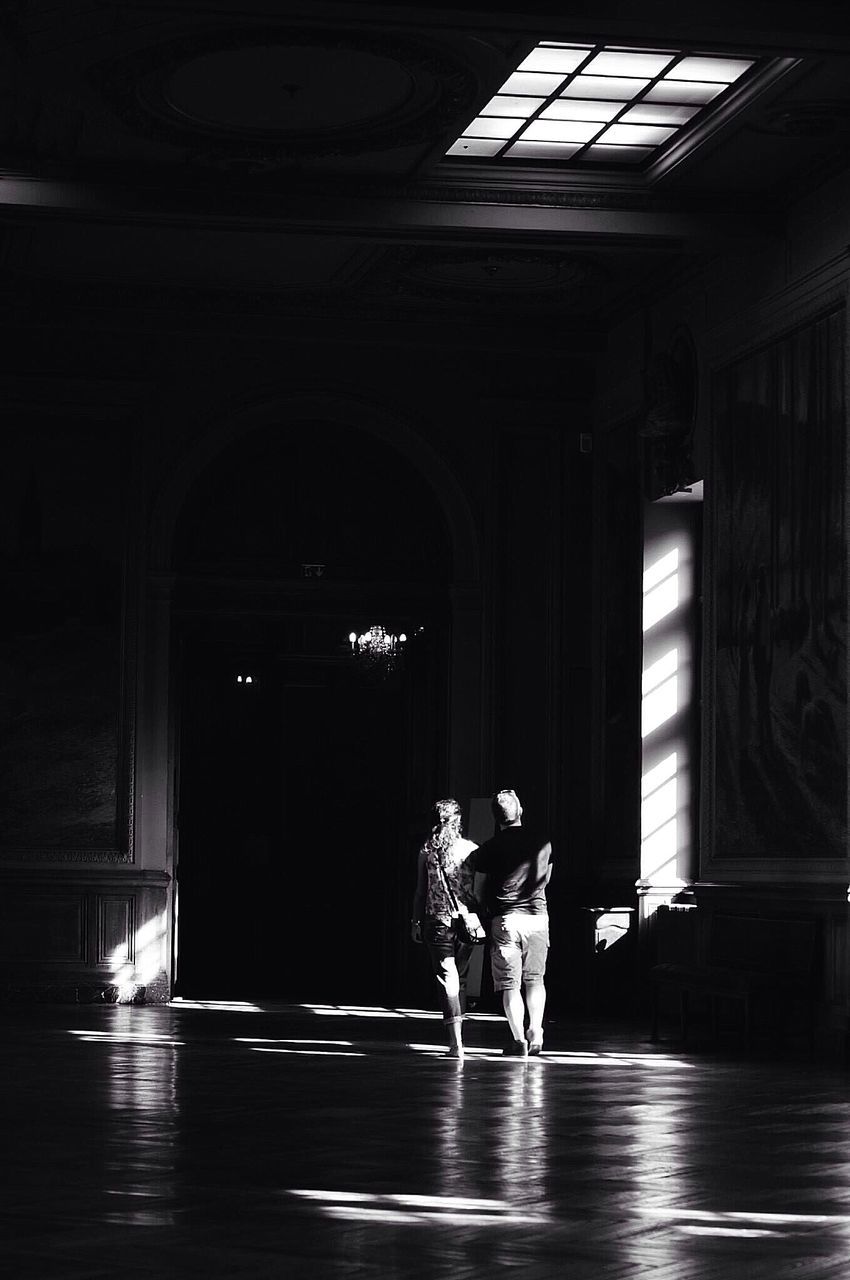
{"points": [[156, 386]]}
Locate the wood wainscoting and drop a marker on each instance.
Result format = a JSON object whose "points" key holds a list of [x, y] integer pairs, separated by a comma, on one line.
{"points": [[84, 934]]}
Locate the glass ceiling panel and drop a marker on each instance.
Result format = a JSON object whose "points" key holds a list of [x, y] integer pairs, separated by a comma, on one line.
{"points": [[533, 82], [683, 91], [578, 109], [570, 104], [719, 70], [604, 87], [637, 134], [658, 113], [544, 150], [476, 147], [492, 127], [629, 64], [558, 58], [563, 130], [506, 104]]}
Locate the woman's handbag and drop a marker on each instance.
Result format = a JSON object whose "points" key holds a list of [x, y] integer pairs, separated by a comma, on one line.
{"points": [[470, 929], [467, 926]]}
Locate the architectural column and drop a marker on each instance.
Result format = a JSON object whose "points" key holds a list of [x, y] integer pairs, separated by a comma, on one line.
{"points": [[155, 789]]}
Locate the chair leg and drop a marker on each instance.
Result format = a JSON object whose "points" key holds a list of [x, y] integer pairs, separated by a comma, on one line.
{"points": [[683, 1013], [653, 1028]]}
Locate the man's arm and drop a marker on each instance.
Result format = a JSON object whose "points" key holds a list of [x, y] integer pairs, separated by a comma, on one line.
{"points": [[546, 852], [479, 876], [479, 880]]}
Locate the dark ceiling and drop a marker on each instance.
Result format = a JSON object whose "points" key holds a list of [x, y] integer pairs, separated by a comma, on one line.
{"points": [[289, 158]]}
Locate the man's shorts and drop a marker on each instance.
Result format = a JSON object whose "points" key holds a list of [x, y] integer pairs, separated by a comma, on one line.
{"points": [[519, 945]]}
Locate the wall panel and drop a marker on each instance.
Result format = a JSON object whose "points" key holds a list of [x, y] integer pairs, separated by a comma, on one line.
{"points": [[115, 936], [45, 927]]}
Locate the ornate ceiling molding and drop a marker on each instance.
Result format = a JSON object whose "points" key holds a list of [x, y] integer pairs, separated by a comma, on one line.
{"points": [[442, 87], [473, 279], [823, 118], [93, 856]]}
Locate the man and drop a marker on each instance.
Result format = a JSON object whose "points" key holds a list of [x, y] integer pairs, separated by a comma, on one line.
{"points": [[516, 868]]}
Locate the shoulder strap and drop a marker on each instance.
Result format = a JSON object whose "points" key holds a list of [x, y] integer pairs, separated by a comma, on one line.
{"points": [[450, 893]]}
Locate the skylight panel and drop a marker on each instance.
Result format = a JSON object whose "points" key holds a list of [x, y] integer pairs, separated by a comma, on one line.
{"points": [[492, 127], [622, 88], [575, 109], [658, 113], [506, 104], [637, 134], [596, 103], [720, 70], [476, 147], [533, 82], [628, 64], [561, 59], [683, 91], [543, 150], [562, 130]]}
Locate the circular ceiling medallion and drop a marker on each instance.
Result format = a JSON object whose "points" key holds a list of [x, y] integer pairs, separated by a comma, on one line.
{"points": [[275, 94], [288, 89], [821, 119], [493, 271], [500, 271]]}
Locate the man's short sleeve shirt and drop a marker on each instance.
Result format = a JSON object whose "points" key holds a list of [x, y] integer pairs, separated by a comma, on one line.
{"points": [[517, 865]]}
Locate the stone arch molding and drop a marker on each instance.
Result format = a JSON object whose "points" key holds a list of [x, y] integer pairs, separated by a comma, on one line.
{"points": [[380, 421]]}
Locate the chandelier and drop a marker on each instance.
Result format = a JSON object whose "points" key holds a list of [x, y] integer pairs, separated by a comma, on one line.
{"points": [[377, 649]]}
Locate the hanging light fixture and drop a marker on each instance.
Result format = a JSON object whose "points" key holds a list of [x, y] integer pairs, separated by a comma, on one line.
{"points": [[377, 649]]}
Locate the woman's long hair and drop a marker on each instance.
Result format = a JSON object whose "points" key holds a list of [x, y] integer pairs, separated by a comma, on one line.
{"points": [[447, 816]]}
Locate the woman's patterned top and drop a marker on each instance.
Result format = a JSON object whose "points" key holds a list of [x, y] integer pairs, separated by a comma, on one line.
{"points": [[460, 876]]}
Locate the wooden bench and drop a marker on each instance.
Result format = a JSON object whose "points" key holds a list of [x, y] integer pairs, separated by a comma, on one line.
{"points": [[766, 961]]}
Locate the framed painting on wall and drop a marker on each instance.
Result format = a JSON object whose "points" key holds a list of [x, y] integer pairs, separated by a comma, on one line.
{"points": [[66, 732], [779, 575]]}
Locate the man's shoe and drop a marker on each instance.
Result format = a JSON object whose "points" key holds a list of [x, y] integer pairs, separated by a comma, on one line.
{"points": [[516, 1049]]}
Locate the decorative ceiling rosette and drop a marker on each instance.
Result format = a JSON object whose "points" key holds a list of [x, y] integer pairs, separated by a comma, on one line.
{"points": [[272, 95], [485, 278], [823, 118]]}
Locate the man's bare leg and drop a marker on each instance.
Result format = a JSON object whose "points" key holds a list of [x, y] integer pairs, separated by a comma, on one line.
{"points": [[535, 1002], [514, 1007]]}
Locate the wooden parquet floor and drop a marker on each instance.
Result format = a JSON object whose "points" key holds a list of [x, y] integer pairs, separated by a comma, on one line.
{"points": [[205, 1141]]}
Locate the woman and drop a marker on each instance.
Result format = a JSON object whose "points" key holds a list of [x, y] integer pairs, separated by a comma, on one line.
{"points": [[445, 856]]}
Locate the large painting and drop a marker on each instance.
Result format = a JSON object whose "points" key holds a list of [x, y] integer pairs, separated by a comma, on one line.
{"points": [[780, 580], [62, 544]]}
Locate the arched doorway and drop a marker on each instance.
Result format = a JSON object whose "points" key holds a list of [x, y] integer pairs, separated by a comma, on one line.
{"points": [[300, 791]]}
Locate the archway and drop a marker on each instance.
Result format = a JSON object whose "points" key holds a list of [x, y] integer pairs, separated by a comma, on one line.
{"points": [[300, 788]]}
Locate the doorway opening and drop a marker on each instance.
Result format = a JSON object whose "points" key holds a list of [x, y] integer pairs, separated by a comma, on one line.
{"points": [[293, 874], [304, 782]]}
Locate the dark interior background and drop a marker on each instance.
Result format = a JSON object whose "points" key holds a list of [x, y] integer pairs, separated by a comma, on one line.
{"points": [[303, 793]]}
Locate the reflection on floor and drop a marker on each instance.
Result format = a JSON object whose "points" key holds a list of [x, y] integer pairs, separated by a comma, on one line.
{"points": [[214, 1140]]}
